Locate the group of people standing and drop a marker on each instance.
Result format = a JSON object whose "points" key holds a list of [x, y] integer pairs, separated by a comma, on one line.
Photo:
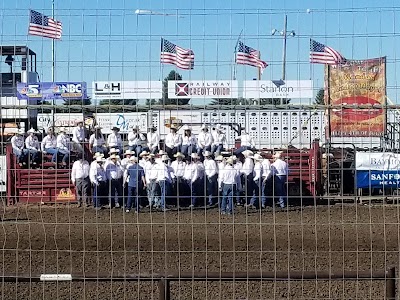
{"points": [[188, 170]]}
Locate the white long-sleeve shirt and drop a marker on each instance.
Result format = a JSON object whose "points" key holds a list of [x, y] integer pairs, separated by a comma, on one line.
{"points": [[80, 170], [279, 167], [248, 166], [18, 142], [204, 139], [152, 171], [153, 140], [266, 165], [189, 140], [246, 140], [114, 171], [210, 167], [220, 139], [78, 134], [178, 167], [214, 135], [97, 142], [194, 171], [49, 142], [257, 171], [114, 140], [229, 175], [32, 142], [97, 173], [63, 142], [125, 163], [221, 167], [135, 139], [163, 172], [173, 140]]}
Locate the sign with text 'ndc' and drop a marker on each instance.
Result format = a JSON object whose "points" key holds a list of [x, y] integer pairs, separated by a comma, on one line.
{"points": [[51, 90]]}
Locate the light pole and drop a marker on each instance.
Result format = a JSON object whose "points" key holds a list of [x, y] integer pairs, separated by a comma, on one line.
{"points": [[146, 12], [284, 33]]}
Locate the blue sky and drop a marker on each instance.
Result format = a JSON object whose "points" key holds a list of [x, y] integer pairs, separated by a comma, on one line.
{"points": [[105, 40]]}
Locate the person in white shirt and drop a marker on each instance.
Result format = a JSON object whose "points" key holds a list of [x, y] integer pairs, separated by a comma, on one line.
{"points": [[114, 175], [164, 180], [143, 158], [246, 142], [258, 181], [32, 146], [114, 139], [248, 173], [238, 165], [173, 142], [98, 178], [49, 145], [17, 144], [180, 187], [189, 141], [153, 140], [219, 141], [97, 142], [63, 145], [78, 136], [80, 178], [229, 183], [136, 140], [204, 140], [194, 175], [280, 172], [267, 175], [220, 161], [110, 153], [126, 162], [211, 172], [151, 173]]}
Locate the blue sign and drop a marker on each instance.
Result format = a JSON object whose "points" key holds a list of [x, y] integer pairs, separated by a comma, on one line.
{"points": [[378, 179], [51, 90]]}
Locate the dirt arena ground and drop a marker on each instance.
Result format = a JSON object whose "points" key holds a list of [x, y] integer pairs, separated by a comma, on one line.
{"points": [[66, 239]]}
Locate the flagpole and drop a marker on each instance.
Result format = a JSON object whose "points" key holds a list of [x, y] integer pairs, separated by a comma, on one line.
{"points": [[234, 55], [52, 63], [259, 68]]}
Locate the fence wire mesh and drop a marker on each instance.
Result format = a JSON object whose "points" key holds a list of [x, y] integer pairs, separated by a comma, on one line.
{"points": [[199, 150]]}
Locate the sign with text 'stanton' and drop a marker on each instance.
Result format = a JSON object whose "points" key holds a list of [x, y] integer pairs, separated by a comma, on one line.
{"points": [[292, 89]]}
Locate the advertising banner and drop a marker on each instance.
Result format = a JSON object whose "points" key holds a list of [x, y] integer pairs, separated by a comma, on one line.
{"points": [[291, 89], [185, 89], [362, 85], [124, 121], [51, 90], [377, 170], [127, 89], [45, 121]]}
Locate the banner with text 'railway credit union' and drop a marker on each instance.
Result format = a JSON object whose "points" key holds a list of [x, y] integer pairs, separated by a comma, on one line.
{"points": [[360, 86], [377, 169], [190, 89]]}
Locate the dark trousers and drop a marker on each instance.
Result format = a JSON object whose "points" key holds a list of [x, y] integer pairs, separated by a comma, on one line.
{"points": [[133, 197], [249, 187], [99, 194], [83, 190], [171, 151], [212, 188], [115, 190]]}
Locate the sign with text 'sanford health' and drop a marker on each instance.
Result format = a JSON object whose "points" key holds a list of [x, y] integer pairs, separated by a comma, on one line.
{"points": [[215, 89], [377, 169], [127, 89], [51, 90], [292, 89]]}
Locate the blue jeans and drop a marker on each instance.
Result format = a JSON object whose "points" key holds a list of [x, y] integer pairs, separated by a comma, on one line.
{"points": [[280, 189], [187, 150], [212, 188], [65, 155], [115, 190], [53, 151], [249, 187], [257, 191], [217, 149], [154, 151], [264, 192], [133, 192], [33, 154], [101, 149], [195, 188], [20, 154], [201, 150], [241, 149], [228, 191], [165, 188], [99, 193]]}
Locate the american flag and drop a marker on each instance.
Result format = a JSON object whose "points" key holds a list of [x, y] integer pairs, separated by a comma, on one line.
{"points": [[246, 55], [44, 26], [175, 55], [321, 54]]}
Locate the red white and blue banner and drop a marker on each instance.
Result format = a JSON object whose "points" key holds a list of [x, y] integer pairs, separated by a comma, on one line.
{"points": [[51, 90], [377, 169]]}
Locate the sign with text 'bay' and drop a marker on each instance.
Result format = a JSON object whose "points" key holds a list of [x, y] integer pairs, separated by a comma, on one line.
{"points": [[377, 169], [291, 89], [51, 90]]}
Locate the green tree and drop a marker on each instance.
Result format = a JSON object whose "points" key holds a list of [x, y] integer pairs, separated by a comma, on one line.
{"points": [[151, 102], [231, 101], [77, 101], [41, 109], [320, 98], [274, 101], [118, 102], [167, 101]]}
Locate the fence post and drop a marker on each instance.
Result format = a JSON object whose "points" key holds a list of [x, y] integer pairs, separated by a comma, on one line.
{"points": [[391, 284], [164, 289]]}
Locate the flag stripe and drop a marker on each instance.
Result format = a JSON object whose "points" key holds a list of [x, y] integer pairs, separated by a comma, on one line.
{"points": [[248, 56], [44, 26], [321, 54], [175, 55]]}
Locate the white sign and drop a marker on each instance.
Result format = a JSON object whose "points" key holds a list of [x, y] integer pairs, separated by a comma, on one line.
{"points": [[291, 89], [127, 89], [378, 161], [45, 121], [3, 173], [179, 118], [186, 89], [124, 121]]}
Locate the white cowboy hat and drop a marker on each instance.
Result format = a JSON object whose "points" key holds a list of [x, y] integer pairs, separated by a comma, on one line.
{"points": [[165, 157], [194, 155], [31, 130], [114, 156], [151, 155], [186, 127], [233, 157], [247, 153], [161, 152], [129, 152], [229, 161], [257, 157], [204, 126], [133, 158], [219, 158], [179, 154], [207, 153], [100, 159], [277, 154], [113, 150], [144, 153], [98, 154]]}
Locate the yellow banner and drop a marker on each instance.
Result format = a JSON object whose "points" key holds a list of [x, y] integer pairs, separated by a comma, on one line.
{"points": [[360, 84]]}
